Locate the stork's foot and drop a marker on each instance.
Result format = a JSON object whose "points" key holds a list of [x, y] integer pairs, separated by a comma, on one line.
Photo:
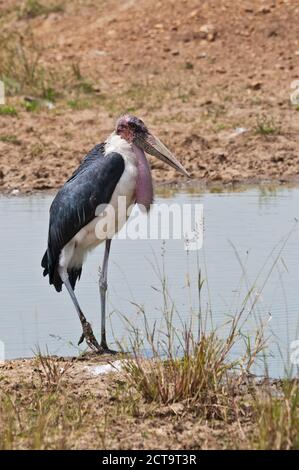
{"points": [[89, 337], [105, 350]]}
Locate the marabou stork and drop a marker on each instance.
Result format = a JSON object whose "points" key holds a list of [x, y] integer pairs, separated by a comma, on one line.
{"points": [[115, 168]]}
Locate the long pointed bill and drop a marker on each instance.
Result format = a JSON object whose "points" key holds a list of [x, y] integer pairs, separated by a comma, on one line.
{"points": [[150, 144]]}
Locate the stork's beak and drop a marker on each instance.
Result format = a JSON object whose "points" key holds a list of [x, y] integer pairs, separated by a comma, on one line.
{"points": [[152, 145]]}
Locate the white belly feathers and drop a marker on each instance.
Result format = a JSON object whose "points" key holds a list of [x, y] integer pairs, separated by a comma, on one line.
{"points": [[73, 254]]}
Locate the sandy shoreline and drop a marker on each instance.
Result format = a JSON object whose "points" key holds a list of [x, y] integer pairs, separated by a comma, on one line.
{"points": [[249, 160], [65, 403], [168, 188], [217, 90]]}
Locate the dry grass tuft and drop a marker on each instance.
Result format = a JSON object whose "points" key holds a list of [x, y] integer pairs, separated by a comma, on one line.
{"points": [[277, 417], [51, 370]]}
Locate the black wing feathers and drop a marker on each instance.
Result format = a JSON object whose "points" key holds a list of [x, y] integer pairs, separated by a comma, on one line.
{"points": [[74, 206], [96, 153]]}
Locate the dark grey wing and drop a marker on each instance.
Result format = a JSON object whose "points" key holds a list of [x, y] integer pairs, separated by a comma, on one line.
{"points": [[74, 206], [94, 154]]}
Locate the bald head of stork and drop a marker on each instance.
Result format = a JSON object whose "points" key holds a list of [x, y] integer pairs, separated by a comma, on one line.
{"points": [[134, 131]]}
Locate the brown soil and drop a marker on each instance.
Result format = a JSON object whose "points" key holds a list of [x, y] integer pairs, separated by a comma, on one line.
{"points": [[194, 71], [93, 412]]}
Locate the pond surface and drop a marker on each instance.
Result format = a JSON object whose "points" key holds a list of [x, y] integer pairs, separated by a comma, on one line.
{"points": [[254, 223]]}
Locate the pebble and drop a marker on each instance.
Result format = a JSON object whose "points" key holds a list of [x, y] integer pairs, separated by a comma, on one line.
{"points": [[208, 32], [15, 192]]}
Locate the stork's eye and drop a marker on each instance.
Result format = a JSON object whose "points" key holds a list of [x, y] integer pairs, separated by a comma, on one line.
{"points": [[120, 128]]}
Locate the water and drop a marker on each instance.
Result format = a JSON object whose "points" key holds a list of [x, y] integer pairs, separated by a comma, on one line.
{"points": [[254, 221]]}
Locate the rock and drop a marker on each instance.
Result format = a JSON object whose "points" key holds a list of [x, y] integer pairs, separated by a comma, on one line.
{"points": [[208, 32], [240, 130], [220, 70], [203, 55], [193, 14], [189, 66], [49, 105], [100, 52], [221, 157], [264, 10], [177, 408], [255, 86], [237, 131], [205, 102], [216, 176], [272, 33]]}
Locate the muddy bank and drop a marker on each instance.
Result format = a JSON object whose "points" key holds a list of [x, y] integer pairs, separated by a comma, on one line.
{"points": [[80, 404], [230, 159], [216, 90]]}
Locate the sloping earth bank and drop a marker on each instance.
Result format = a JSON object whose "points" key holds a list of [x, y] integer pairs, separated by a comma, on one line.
{"points": [[211, 78], [72, 408]]}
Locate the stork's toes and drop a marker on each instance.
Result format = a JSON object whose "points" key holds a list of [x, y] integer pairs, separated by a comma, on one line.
{"points": [[89, 337], [105, 350], [81, 339]]}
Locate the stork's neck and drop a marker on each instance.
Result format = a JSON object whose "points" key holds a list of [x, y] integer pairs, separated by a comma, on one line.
{"points": [[144, 184], [115, 143], [144, 192]]}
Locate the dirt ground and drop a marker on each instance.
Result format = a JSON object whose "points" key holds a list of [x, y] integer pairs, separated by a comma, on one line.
{"points": [[86, 411], [210, 78]]}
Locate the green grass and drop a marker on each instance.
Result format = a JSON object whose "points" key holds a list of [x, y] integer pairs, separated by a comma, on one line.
{"points": [[6, 110], [203, 375], [266, 126], [31, 106], [197, 370], [85, 87], [79, 104], [50, 370], [20, 65], [36, 149], [277, 417], [44, 412], [45, 423], [24, 73], [82, 84], [33, 8], [10, 139], [189, 66], [197, 377], [221, 126], [50, 94]]}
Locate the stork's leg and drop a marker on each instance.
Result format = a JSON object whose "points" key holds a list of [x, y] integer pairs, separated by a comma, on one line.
{"points": [[86, 327], [103, 290]]}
